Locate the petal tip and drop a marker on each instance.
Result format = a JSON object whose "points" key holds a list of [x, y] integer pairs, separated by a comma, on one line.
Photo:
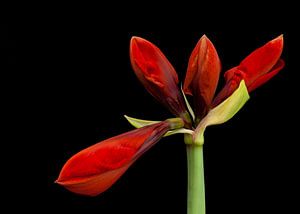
{"points": [[133, 40], [280, 36], [204, 36], [279, 39], [136, 39], [59, 182], [203, 42]]}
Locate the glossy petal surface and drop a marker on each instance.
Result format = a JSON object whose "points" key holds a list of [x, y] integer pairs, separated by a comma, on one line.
{"points": [[157, 75], [256, 69], [202, 75], [95, 169]]}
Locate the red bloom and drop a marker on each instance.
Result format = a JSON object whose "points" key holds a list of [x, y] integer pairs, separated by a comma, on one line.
{"points": [[95, 169], [256, 69], [157, 75], [202, 75]]}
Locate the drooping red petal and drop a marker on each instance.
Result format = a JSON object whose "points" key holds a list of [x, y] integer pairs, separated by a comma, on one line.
{"points": [[266, 77], [262, 59], [157, 75], [202, 75], [95, 169]]}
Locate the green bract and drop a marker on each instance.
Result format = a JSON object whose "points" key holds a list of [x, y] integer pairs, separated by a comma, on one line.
{"points": [[138, 123], [218, 115], [223, 112]]}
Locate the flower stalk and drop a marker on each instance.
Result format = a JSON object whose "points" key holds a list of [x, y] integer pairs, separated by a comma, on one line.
{"points": [[196, 186]]}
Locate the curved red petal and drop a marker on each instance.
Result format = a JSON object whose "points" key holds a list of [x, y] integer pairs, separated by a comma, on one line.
{"points": [[157, 74], [203, 75], [262, 59], [266, 77], [97, 167]]}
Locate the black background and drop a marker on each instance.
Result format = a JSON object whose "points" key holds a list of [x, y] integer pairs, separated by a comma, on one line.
{"points": [[88, 85]]}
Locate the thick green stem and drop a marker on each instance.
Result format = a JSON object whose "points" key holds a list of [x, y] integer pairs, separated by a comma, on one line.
{"points": [[196, 190]]}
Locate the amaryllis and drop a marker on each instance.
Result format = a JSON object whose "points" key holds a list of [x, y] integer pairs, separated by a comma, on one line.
{"points": [[95, 169]]}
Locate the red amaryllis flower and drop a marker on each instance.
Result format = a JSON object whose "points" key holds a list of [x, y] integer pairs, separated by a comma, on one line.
{"points": [[157, 75], [256, 69], [202, 75], [95, 169]]}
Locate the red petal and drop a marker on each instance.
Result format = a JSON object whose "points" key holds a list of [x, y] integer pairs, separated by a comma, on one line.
{"points": [[151, 61], [262, 59], [95, 169], [192, 67], [203, 74], [254, 69], [264, 78], [94, 185], [157, 75]]}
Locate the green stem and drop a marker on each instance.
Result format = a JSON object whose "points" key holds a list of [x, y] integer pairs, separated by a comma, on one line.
{"points": [[196, 190]]}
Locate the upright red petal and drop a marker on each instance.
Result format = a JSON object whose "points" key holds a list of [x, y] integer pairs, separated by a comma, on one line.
{"points": [[256, 69], [95, 169], [157, 75], [202, 75]]}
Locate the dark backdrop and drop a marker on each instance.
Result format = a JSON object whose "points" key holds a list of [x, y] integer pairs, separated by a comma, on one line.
{"points": [[250, 161]]}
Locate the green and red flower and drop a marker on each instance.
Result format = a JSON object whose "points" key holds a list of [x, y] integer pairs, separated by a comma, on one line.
{"points": [[96, 168]]}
